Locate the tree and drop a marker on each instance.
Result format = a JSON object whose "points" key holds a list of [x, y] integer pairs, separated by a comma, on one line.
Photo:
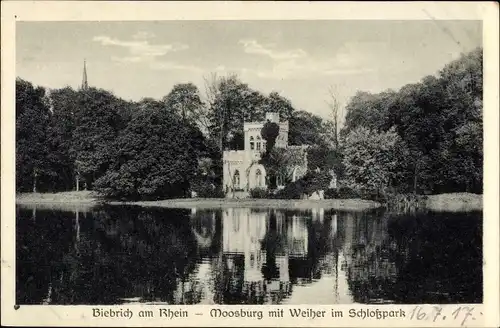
{"points": [[97, 124], [280, 105], [417, 113], [271, 160], [157, 157], [270, 131], [334, 105], [231, 104], [369, 110], [461, 148], [185, 100], [438, 119], [64, 103], [32, 144], [280, 163], [370, 158], [306, 129], [324, 159]]}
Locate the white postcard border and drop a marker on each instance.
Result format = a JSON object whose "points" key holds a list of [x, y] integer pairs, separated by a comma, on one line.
{"points": [[13, 11]]}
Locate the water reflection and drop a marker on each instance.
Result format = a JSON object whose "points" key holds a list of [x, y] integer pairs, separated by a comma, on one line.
{"points": [[112, 255]]}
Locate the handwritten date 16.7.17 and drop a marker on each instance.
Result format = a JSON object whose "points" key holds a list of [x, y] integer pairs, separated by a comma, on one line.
{"points": [[460, 314]]}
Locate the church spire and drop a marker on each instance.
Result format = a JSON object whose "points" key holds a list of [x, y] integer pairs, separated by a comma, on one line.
{"points": [[85, 84]]}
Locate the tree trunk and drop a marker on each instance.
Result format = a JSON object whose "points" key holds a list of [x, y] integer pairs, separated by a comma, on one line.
{"points": [[88, 182], [34, 180], [415, 177], [335, 137], [77, 179], [221, 141]]}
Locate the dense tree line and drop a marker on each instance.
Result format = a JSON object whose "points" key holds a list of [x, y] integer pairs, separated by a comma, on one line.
{"points": [[65, 139], [424, 138], [90, 139]]}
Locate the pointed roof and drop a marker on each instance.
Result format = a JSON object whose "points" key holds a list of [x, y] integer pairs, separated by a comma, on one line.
{"points": [[85, 84]]}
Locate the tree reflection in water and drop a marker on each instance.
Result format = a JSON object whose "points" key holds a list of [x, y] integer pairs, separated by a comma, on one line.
{"points": [[115, 254], [425, 258]]}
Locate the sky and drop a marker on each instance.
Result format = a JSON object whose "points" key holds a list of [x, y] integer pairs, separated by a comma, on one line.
{"points": [[301, 60]]}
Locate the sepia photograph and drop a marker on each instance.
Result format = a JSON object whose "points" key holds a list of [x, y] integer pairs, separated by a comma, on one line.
{"points": [[250, 162]]}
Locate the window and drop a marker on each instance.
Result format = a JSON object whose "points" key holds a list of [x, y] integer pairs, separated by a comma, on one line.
{"points": [[236, 179], [252, 144], [258, 143], [258, 178], [294, 174]]}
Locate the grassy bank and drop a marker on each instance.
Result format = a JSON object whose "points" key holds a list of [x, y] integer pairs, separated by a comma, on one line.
{"points": [[87, 198], [340, 204], [67, 197], [454, 202], [65, 201]]}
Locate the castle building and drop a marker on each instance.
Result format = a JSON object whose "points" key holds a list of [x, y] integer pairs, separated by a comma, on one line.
{"points": [[241, 169]]}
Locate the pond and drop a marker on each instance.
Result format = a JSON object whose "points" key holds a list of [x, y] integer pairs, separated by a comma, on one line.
{"points": [[118, 254]]}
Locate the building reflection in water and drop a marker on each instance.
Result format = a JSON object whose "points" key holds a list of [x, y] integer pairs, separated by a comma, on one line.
{"points": [[266, 252]]}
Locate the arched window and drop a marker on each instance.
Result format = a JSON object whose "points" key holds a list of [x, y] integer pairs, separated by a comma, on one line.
{"points": [[252, 144], [258, 178], [258, 143], [236, 179], [294, 174]]}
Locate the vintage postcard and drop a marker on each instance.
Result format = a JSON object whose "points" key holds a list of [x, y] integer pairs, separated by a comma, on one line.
{"points": [[319, 164]]}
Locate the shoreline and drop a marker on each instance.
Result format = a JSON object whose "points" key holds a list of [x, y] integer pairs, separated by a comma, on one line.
{"points": [[452, 202], [88, 199], [213, 203]]}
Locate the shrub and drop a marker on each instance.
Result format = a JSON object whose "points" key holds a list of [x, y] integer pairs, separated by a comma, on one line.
{"points": [[372, 194], [397, 202], [208, 190], [331, 193], [259, 193], [117, 185], [311, 182], [294, 190], [351, 193], [314, 181], [218, 193], [405, 202], [347, 193]]}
